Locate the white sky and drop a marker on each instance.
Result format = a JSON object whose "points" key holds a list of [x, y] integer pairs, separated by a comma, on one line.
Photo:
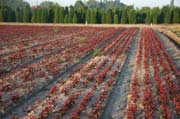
{"points": [[136, 3]]}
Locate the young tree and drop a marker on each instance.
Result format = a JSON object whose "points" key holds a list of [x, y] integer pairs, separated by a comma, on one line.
{"points": [[124, 16], [132, 16], [56, 14], [109, 16], [88, 16], [4, 13], [148, 17], [1, 16], [50, 14], [11, 15], [98, 15], [155, 15], [103, 19], [44, 15], [163, 13], [82, 15], [70, 14], [61, 15], [116, 20], [39, 10], [26, 14], [18, 15], [168, 16], [75, 20], [93, 17], [34, 15], [176, 15], [66, 19]]}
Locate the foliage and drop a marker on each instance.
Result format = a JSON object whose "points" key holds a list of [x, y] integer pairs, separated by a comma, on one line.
{"points": [[26, 14], [103, 20], [47, 4], [168, 16], [109, 16], [93, 17], [155, 15], [116, 20], [34, 16], [124, 16], [132, 16], [56, 14], [176, 15], [103, 12], [14, 4], [75, 19]]}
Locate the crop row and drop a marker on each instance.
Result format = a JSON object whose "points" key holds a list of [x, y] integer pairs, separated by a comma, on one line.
{"points": [[152, 55], [26, 80], [26, 55], [83, 92]]}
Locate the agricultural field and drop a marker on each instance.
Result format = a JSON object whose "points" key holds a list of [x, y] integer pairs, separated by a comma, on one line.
{"points": [[85, 72], [176, 31]]}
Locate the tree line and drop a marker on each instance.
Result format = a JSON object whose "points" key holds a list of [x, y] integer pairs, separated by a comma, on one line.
{"points": [[80, 13]]}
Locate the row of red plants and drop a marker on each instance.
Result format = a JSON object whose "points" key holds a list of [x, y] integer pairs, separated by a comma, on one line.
{"points": [[26, 80], [172, 89], [71, 88], [165, 76], [53, 44], [134, 84], [147, 99]]}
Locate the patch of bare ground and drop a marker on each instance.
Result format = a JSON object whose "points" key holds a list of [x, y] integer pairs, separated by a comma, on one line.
{"points": [[170, 34], [97, 25]]}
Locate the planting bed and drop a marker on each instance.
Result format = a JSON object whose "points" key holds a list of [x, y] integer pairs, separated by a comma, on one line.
{"points": [[51, 72]]}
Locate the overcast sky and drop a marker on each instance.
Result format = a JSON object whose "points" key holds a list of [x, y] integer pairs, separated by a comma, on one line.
{"points": [[136, 3]]}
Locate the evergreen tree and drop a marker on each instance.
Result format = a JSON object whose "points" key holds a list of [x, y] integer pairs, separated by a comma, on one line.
{"points": [[21, 16], [88, 16], [66, 19], [80, 13], [109, 16], [132, 16], [163, 13], [1, 15], [61, 15], [18, 15], [148, 17], [98, 15], [34, 16], [75, 20], [176, 15], [155, 15], [93, 17], [5, 14], [26, 14], [44, 15], [116, 20], [168, 16], [38, 15], [11, 16], [103, 19], [70, 14], [50, 14], [124, 16], [56, 14]]}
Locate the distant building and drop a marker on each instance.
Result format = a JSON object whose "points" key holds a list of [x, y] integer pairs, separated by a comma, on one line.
{"points": [[105, 1], [172, 3], [34, 6]]}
